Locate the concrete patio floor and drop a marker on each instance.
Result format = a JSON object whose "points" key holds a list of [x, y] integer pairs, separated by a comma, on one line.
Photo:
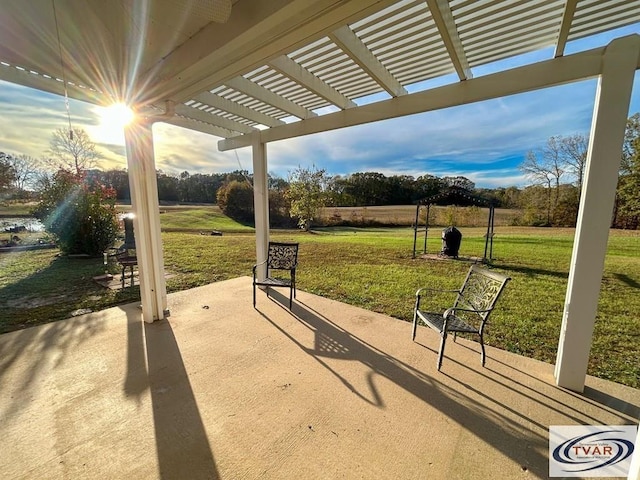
{"points": [[220, 390]]}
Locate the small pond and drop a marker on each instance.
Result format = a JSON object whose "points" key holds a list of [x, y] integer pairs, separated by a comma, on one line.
{"points": [[15, 224]]}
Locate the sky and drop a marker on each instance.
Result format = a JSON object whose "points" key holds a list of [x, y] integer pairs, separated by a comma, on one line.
{"points": [[485, 141]]}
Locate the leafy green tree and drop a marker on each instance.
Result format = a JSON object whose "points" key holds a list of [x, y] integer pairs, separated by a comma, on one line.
{"points": [[534, 202], [627, 206], [80, 215], [7, 173], [307, 194], [460, 182], [168, 187], [119, 181], [427, 186], [235, 199], [337, 194]]}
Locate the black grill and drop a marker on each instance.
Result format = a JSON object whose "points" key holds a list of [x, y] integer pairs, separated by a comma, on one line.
{"points": [[451, 238]]}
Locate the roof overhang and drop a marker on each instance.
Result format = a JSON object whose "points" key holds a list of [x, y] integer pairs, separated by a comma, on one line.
{"points": [[277, 69]]}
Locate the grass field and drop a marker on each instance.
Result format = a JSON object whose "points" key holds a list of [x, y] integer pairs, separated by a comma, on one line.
{"points": [[368, 267]]}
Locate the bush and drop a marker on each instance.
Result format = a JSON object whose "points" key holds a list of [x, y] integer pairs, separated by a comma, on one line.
{"points": [[235, 199], [80, 216]]}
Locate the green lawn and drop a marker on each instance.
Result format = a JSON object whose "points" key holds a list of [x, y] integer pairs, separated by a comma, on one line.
{"points": [[371, 268]]}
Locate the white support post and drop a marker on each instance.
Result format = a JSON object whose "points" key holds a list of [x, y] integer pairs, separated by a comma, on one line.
{"points": [[261, 204], [619, 63], [144, 201]]}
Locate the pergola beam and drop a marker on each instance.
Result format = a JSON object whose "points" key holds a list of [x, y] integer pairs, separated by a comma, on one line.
{"points": [[291, 69], [359, 53], [267, 96], [216, 120], [201, 127], [206, 61], [565, 27], [221, 103], [545, 74], [443, 18]]}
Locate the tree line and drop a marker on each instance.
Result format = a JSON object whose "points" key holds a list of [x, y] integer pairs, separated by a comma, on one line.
{"points": [[555, 173]]}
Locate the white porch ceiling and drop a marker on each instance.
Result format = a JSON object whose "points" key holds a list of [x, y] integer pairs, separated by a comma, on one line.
{"points": [[277, 62]]}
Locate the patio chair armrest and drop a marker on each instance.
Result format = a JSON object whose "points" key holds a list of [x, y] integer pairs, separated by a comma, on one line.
{"points": [[257, 265], [428, 289]]}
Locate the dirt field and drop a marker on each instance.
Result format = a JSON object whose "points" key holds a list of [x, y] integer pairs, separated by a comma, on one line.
{"points": [[404, 215]]}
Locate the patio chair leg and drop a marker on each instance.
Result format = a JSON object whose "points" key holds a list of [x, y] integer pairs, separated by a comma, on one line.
{"points": [[290, 298], [254, 295], [483, 355], [441, 352], [415, 326]]}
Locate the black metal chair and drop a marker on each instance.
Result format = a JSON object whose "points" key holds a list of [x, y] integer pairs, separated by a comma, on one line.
{"points": [[474, 302], [127, 258], [283, 257]]}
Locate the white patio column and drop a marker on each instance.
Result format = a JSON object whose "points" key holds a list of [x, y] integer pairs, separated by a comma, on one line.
{"points": [[261, 203], [619, 63], [146, 222]]}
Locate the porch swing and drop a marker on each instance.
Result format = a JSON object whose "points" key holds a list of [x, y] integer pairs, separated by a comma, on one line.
{"points": [[451, 194]]}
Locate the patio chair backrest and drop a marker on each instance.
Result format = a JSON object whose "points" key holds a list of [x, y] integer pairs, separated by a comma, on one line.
{"points": [[282, 256], [481, 290]]}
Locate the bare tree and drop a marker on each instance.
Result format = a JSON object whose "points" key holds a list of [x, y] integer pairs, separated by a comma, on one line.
{"points": [[560, 158], [25, 169], [72, 150], [539, 172], [573, 150], [553, 158]]}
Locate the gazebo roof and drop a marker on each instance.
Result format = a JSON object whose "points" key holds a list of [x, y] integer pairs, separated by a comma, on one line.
{"points": [[452, 193], [282, 68]]}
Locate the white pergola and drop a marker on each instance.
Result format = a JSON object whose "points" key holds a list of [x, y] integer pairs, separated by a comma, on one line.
{"points": [[257, 71]]}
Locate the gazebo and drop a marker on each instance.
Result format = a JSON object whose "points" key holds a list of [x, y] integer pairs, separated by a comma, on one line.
{"points": [[258, 71], [453, 194]]}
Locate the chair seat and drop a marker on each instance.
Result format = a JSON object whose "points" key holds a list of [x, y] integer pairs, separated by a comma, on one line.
{"points": [[274, 282], [454, 324]]}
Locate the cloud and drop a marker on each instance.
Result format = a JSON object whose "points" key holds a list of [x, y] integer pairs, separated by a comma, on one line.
{"points": [[468, 139]]}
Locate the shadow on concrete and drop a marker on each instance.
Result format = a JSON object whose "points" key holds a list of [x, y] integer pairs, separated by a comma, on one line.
{"points": [[154, 362], [590, 395], [45, 348], [331, 341]]}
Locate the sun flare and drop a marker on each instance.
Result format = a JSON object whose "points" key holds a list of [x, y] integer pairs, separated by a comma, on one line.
{"points": [[113, 120], [118, 114]]}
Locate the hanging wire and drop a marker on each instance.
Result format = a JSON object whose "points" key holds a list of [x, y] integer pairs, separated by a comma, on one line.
{"points": [[246, 179], [64, 79]]}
